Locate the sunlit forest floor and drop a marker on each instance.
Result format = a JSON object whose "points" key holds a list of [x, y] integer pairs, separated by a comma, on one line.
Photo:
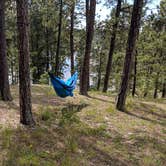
{"points": [[83, 131]]}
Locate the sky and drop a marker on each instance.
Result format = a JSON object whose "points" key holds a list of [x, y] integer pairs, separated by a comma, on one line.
{"points": [[103, 11]]}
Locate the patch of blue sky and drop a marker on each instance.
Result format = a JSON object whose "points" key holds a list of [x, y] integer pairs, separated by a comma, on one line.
{"points": [[103, 12]]}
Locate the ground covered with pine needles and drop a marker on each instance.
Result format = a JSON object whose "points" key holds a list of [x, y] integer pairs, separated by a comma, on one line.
{"points": [[83, 131]]}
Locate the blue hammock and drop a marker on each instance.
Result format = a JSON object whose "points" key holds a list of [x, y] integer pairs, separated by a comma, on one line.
{"points": [[62, 88]]}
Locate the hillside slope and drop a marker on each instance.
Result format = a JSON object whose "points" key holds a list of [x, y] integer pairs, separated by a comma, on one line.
{"points": [[83, 131]]}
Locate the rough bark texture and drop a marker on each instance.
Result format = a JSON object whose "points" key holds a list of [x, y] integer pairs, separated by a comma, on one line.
{"points": [[156, 86], [57, 72], [149, 72], [99, 73], [133, 34], [135, 74], [4, 81], [72, 37], [88, 3], [164, 89], [90, 14], [24, 69], [47, 48], [112, 46], [47, 43]]}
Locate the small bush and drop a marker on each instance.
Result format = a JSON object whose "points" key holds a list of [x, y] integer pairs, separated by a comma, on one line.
{"points": [[44, 78], [46, 115]]}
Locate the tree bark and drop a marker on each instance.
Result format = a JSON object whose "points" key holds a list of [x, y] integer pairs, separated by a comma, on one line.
{"points": [[156, 86], [135, 73], [149, 72], [133, 34], [90, 19], [72, 37], [164, 89], [47, 48], [147, 84], [24, 68], [87, 23], [112, 46], [12, 71], [4, 80], [47, 43], [99, 73], [57, 72]]}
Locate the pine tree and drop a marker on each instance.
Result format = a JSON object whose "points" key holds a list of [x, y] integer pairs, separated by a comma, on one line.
{"points": [[72, 37], [112, 46], [133, 34], [24, 68], [57, 67], [90, 19], [4, 80]]}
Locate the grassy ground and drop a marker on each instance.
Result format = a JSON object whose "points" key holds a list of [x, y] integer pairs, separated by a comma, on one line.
{"points": [[83, 131]]}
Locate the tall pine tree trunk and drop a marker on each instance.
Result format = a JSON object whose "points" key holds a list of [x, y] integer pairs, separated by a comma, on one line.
{"points": [[88, 3], [147, 81], [4, 80], [164, 89], [12, 71], [72, 37], [99, 73], [112, 46], [57, 67], [156, 86], [133, 34], [135, 73], [47, 48], [47, 42], [24, 68], [90, 19]]}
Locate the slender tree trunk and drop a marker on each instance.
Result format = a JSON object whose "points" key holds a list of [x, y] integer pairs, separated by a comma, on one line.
{"points": [[90, 14], [133, 34], [156, 86], [24, 68], [112, 46], [147, 86], [47, 48], [99, 73], [72, 37], [47, 42], [164, 89], [12, 71], [36, 79], [149, 72], [135, 73], [87, 23], [57, 72], [4, 80]]}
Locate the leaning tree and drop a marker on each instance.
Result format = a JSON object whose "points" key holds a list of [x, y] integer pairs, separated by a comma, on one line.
{"points": [[132, 37]]}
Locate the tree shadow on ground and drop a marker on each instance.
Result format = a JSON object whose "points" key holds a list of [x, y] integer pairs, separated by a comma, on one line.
{"points": [[74, 142], [146, 112], [9, 105], [100, 99], [144, 118], [154, 110]]}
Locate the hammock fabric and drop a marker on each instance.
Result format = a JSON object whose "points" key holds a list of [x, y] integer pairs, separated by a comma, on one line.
{"points": [[62, 88]]}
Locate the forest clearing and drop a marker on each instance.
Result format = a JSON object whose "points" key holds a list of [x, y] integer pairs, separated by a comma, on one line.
{"points": [[83, 131]]}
